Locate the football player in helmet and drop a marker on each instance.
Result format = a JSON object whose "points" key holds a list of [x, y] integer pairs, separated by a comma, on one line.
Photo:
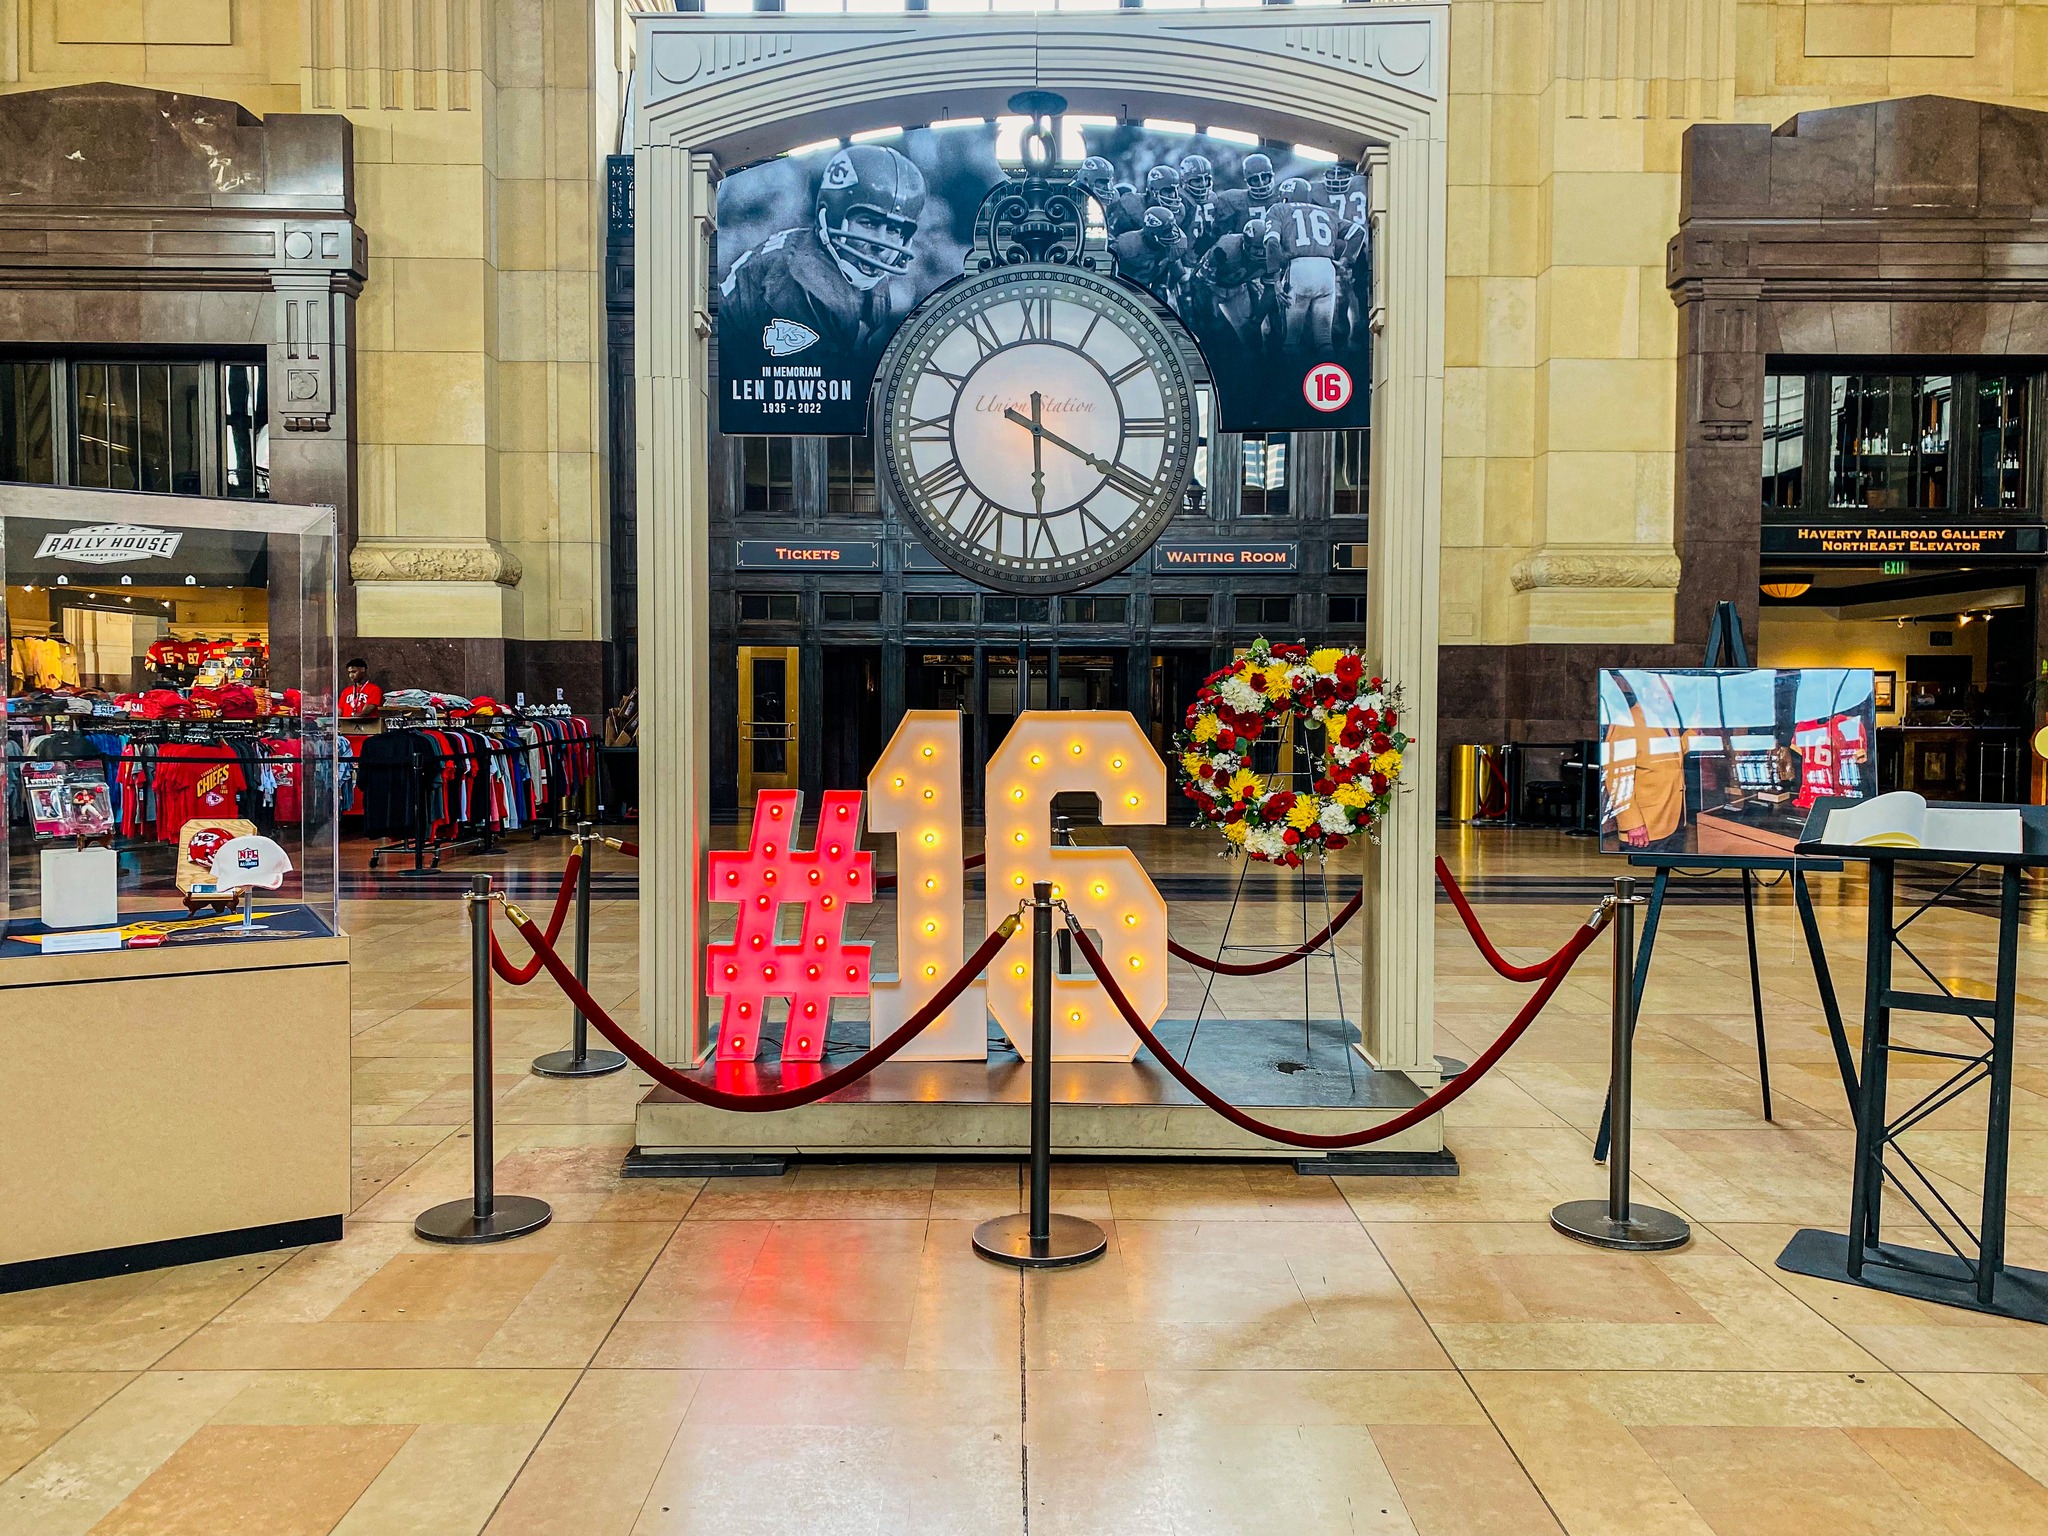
{"points": [[1240, 204], [1229, 288], [1308, 244], [1200, 216], [833, 275], [1162, 189], [1350, 199], [1336, 177], [1154, 254], [1097, 177]]}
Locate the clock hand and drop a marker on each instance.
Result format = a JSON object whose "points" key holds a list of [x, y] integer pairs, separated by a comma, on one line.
{"points": [[1093, 461], [1037, 455]]}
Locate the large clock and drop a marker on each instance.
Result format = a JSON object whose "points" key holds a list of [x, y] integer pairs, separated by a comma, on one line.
{"points": [[1038, 426]]}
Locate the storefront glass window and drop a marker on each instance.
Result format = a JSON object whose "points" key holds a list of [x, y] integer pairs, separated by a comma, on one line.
{"points": [[1354, 460], [937, 608], [1251, 610], [1784, 440], [1263, 488], [244, 430], [28, 448], [2000, 458], [1016, 610], [1888, 441], [1180, 610], [850, 476], [1093, 610], [136, 427], [850, 607], [768, 477]]}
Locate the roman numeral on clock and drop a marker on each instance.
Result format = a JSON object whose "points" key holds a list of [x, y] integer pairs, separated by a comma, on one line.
{"points": [[1144, 426], [947, 480], [1037, 319], [1129, 372], [1129, 481]]}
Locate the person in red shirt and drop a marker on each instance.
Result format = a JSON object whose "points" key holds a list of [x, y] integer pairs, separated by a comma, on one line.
{"points": [[361, 698]]}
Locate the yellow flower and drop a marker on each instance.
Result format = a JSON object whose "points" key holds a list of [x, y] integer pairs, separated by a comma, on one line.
{"points": [[1325, 661], [1246, 785], [1388, 762], [1353, 794], [1304, 813], [1235, 831], [1279, 682], [1193, 763], [1206, 728], [1335, 721]]}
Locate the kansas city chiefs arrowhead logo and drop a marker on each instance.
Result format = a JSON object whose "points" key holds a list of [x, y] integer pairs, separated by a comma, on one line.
{"points": [[785, 338]]}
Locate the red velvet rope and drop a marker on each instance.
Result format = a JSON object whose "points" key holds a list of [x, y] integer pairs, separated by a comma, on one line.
{"points": [[1561, 964], [520, 975], [1301, 951], [1494, 957], [756, 1103]]}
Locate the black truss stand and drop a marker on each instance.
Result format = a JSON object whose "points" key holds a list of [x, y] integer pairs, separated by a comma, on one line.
{"points": [[580, 1060], [1750, 866], [1038, 1238], [1973, 1272]]}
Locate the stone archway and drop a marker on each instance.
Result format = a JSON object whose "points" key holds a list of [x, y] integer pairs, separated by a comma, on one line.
{"points": [[717, 92]]}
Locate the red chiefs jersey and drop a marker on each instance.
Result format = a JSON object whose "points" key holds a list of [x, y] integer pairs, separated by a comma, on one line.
{"points": [[194, 780], [360, 700]]}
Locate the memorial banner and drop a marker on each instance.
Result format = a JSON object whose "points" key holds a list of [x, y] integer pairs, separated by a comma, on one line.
{"points": [[1265, 257]]}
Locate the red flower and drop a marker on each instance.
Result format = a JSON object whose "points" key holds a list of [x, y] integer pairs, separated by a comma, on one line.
{"points": [[1257, 682], [1337, 841], [1290, 837], [1324, 786], [1388, 720], [1379, 783], [1350, 668], [1370, 717], [1235, 813], [1249, 727], [1380, 742], [1291, 860], [1227, 740]]}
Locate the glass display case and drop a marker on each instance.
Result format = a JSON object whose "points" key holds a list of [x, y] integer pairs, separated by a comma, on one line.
{"points": [[174, 765]]}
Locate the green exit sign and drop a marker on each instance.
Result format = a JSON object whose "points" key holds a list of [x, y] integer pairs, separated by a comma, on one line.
{"points": [[1895, 567]]}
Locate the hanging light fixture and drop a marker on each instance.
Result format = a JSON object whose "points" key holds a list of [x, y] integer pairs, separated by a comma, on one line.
{"points": [[1788, 586]]}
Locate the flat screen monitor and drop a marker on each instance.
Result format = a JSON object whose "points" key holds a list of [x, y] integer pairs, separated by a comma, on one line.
{"points": [[1729, 760]]}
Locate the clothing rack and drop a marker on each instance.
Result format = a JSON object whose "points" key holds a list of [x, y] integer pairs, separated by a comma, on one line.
{"points": [[481, 830]]}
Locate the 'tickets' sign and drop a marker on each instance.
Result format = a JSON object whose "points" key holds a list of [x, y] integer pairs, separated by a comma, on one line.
{"points": [[776, 555], [1893, 539]]}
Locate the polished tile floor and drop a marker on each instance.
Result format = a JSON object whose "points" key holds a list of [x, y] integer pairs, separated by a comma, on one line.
{"points": [[1258, 1351]]}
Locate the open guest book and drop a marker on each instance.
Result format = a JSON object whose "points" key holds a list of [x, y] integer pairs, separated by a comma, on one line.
{"points": [[1903, 819]]}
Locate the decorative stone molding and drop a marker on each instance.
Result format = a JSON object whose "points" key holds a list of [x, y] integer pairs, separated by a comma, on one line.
{"points": [[1594, 568], [435, 562]]}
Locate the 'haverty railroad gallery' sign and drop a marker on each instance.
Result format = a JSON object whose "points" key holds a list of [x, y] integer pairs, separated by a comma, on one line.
{"points": [[1918, 540]]}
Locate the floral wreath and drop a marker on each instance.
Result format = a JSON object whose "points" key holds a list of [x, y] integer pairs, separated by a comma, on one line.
{"points": [[1354, 775]]}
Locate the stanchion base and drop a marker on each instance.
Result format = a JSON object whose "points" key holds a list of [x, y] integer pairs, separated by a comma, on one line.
{"points": [[511, 1216], [1007, 1240], [1449, 1067], [565, 1064], [1647, 1229]]}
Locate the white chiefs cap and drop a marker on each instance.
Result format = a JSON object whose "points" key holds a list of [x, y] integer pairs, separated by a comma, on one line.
{"points": [[245, 861]]}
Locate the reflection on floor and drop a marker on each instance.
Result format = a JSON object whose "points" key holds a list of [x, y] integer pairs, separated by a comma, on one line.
{"points": [[1259, 1352]]}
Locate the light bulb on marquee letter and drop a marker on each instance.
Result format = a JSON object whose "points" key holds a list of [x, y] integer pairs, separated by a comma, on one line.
{"points": [[914, 792], [1102, 752]]}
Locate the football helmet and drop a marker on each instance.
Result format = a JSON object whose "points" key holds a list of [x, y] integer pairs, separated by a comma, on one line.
{"points": [[1337, 176], [1197, 177], [1096, 177], [1256, 230], [1162, 187], [1258, 176], [875, 181], [1294, 190], [1161, 227]]}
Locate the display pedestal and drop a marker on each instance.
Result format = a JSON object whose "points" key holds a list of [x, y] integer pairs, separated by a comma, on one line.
{"points": [[1101, 1109], [170, 1105]]}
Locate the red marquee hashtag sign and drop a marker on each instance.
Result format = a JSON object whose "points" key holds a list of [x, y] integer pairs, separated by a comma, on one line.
{"points": [[755, 966]]}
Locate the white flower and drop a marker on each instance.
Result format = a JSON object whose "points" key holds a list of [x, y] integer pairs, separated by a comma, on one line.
{"points": [[1347, 755], [1266, 841], [1336, 819], [1241, 696]]}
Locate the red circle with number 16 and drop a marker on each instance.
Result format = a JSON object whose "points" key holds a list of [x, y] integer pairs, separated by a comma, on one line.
{"points": [[1327, 387]]}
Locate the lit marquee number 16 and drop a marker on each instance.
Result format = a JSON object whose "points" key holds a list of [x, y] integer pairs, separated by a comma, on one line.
{"points": [[914, 792]]}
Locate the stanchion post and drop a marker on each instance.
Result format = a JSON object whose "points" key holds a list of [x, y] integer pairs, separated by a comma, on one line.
{"points": [[580, 1060], [1063, 837], [1616, 1222], [1039, 1238], [487, 1216]]}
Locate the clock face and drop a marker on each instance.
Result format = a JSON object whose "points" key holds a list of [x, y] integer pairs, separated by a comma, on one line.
{"points": [[1038, 427]]}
